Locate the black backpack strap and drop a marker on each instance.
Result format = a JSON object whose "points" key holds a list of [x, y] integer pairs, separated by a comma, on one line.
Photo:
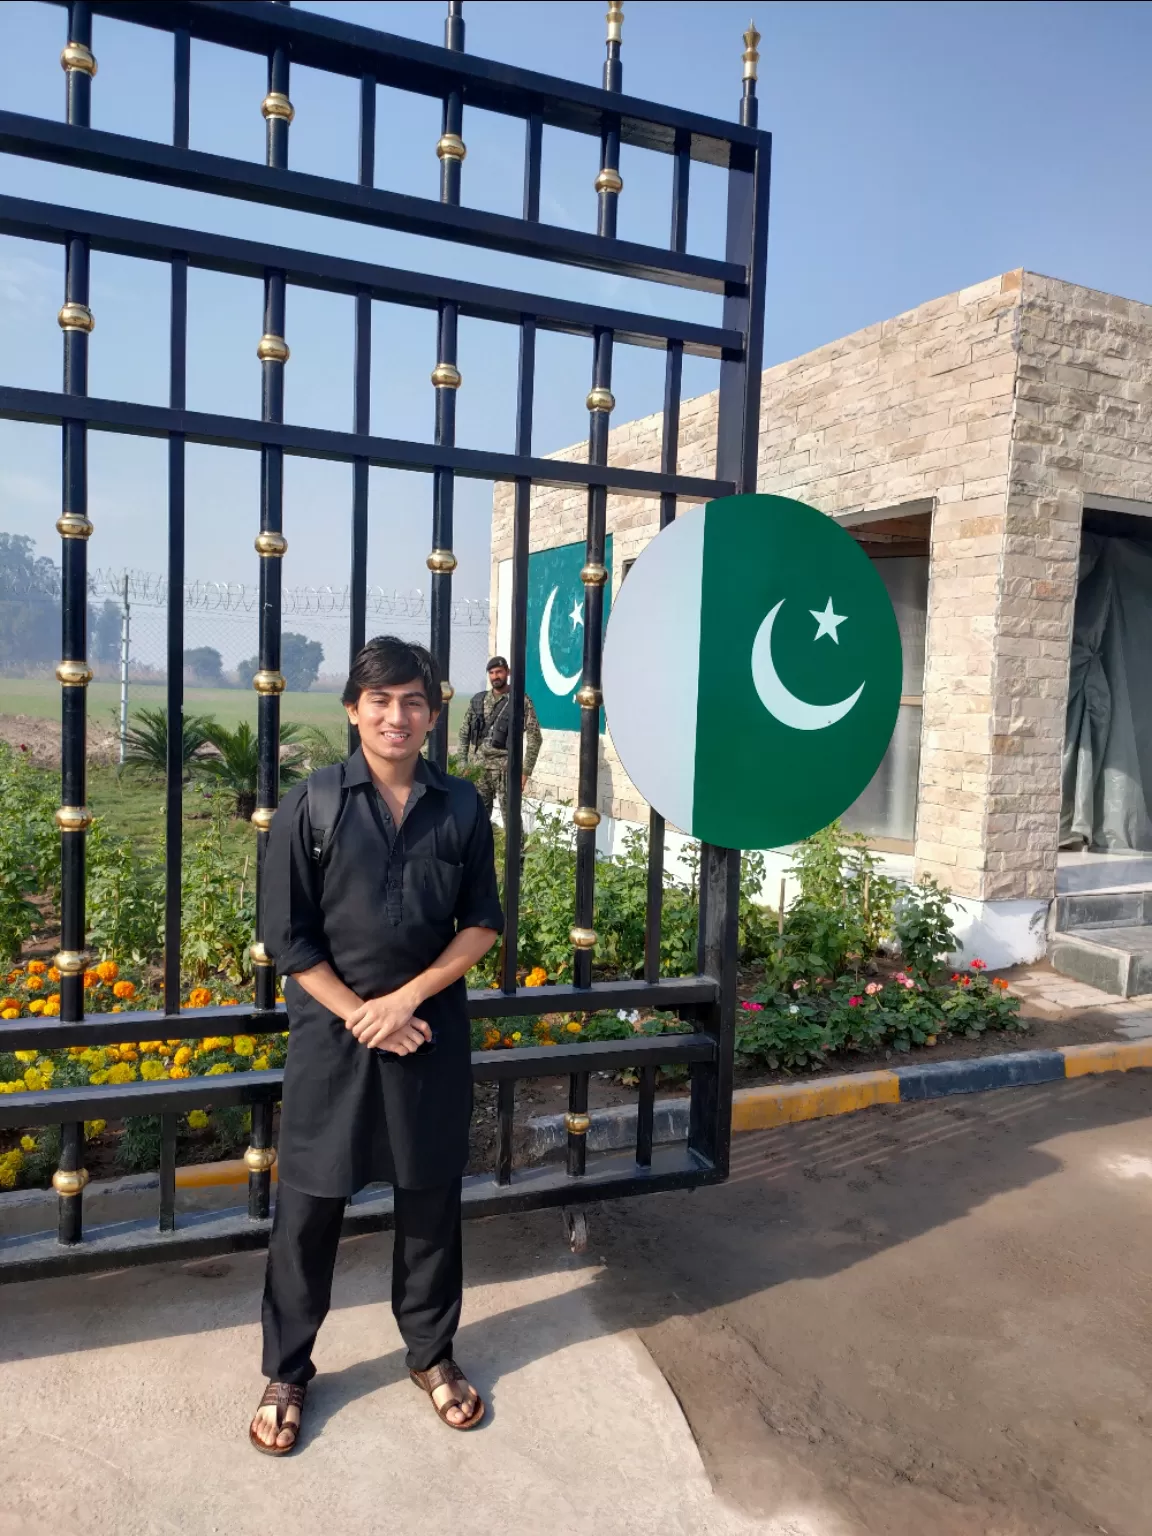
{"points": [[325, 802], [464, 801]]}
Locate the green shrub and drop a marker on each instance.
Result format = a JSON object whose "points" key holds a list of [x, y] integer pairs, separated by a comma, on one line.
{"points": [[125, 900], [923, 927], [29, 847]]}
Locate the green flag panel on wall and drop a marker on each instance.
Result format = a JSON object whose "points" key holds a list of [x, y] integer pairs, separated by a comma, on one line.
{"points": [[556, 632], [752, 671]]}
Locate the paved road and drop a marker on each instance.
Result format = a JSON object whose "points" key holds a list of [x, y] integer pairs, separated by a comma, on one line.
{"points": [[917, 1321]]}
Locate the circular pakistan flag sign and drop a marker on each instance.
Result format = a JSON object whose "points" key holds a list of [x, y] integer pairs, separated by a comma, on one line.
{"points": [[752, 671]]}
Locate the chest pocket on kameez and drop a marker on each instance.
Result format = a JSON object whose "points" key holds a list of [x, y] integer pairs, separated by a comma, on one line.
{"points": [[435, 884]]}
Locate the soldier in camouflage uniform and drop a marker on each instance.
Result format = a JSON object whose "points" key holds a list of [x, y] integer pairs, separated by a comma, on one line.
{"points": [[484, 736]]}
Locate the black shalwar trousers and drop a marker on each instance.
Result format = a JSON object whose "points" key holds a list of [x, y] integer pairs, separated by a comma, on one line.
{"points": [[427, 1276]]}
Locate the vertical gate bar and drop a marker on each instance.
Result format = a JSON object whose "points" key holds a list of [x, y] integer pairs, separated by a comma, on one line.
{"points": [[174, 771], [259, 1159], [73, 673], [521, 522], [362, 409], [505, 1111], [68, 1181], [710, 1114], [645, 1116], [669, 455], [271, 544], [168, 1172], [181, 86], [576, 1122], [594, 575], [446, 381], [608, 182]]}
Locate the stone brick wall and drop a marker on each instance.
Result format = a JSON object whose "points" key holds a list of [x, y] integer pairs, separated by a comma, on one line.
{"points": [[1004, 404]]}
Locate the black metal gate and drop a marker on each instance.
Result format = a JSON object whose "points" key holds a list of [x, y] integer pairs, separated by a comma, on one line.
{"points": [[282, 35]]}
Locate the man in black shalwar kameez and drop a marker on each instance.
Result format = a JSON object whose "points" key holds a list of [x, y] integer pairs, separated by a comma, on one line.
{"points": [[375, 920]]}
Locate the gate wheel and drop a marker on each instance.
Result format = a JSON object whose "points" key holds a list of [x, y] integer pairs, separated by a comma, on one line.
{"points": [[576, 1228]]}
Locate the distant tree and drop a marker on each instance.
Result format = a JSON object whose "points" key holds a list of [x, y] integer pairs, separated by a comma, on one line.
{"points": [[29, 602], [104, 626], [206, 665], [300, 660]]}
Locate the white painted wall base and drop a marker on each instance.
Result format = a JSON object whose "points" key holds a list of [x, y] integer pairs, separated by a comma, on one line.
{"points": [[1001, 933]]}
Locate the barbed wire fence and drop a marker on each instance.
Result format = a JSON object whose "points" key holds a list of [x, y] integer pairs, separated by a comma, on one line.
{"points": [[128, 617]]}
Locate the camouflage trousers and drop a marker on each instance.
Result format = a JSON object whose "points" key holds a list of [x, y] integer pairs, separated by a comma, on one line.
{"points": [[493, 785]]}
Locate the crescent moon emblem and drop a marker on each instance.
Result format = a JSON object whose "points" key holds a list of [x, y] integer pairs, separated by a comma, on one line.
{"points": [[780, 701], [552, 674]]}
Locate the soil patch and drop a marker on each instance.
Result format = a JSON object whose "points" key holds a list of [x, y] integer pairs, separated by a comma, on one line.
{"points": [[40, 739]]}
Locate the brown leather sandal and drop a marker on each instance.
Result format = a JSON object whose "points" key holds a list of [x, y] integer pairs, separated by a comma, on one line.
{"points": [[446, 1373], [280, 1395]]}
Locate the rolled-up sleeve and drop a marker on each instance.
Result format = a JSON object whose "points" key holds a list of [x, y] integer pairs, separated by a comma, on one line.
{"points": [[293, 923], [478, 905]]}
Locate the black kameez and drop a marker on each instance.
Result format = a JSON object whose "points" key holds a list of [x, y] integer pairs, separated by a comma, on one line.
{"points": [[380, 907]]}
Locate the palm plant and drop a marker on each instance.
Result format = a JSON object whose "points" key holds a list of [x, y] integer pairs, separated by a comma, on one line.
{"points": [[146, 741], [235, 764], [323, 748]]}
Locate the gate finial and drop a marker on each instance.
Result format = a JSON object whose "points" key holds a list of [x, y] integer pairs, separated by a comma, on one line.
{"points": [[749, 106], [615, 20]]}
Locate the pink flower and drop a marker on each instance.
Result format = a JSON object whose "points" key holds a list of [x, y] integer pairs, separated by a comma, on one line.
{"points": [[906, 982], [872, 988], [796, 985], [854, 1002], [978, 965], [752, 1007]]}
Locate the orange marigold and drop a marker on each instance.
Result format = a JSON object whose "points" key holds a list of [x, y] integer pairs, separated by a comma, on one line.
{"points": [[53, 973], [9, 1002], [34, 984], [107, 970], [91, 979], [199, 997], [124, 989], [36, 967]]}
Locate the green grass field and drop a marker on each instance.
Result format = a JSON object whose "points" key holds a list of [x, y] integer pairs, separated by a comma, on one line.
{"points": [[39, 698]]}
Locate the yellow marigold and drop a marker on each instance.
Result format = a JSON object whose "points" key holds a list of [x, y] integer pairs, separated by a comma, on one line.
{"points": [[536, 977], [36, 967], [53, 973], [52, 1008], [7, 1176], [183, 1056], [573, 1028], [172, 1043], [17, 1086], [259, 1063], [95, 1127], [197, 1119], [107, 970], [124, 989], [33, 1080], [9, 1013], [27, 1143], [128, 1054], [16, 974], [517, 1036], [199, 997], [229, 1002], [279, 997], [112, 1052], [27, 1057], [117, 1008], [150, 1047], [178, 1072], [37, 1005], [151, 1071], [122, 1072], [244, 1045], [46, 1067], [219, 1069], [34, 984], [99, 1078]]}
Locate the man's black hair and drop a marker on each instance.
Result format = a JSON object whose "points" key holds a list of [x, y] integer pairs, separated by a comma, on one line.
{"points": [[386, 661]]}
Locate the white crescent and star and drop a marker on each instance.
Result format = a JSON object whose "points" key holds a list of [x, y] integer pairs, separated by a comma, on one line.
{"points": [[780, 701], [555, 679]]}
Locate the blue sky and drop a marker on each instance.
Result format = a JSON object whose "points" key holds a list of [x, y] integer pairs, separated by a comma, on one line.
{"points": [[918, 148]]}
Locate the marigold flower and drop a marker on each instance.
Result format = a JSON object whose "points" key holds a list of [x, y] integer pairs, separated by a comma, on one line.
{"points": [[95, 1127], [244, 1045], [183, 1056], [36, 1005], [7, 1176], [52, 1006], [9, 1013], [16, 974], [199, 997], [27, 1144], [53, 973], [124, 989], [107, 970], [27, 1057], [931, 1040], [220, 1069], [197, 1119], [259, 1063], [98, 1079], [536, 977], [573, 1028], [34, 984], [9, 1002], [122, 1072], [229, 1002], [36, 967], [151, 1070], [91, 979], [517, 1036], [179, 1072], [508, 1041]]}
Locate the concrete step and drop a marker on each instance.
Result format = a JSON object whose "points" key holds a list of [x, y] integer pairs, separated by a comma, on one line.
{"points": [[1117, 958], [1102, 909]]}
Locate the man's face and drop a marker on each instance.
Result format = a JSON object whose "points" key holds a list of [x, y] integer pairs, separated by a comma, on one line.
{"points": [[498, 678], [393, 721]]}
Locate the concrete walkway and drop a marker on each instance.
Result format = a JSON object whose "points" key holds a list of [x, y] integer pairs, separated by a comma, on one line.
{"points": [[125, 1400]]}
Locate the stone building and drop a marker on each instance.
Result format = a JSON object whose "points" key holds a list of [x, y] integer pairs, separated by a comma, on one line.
{"points": [[966, 444]]}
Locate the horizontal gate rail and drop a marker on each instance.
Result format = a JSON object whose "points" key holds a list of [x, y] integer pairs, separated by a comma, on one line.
{"points": [[196, 171], [344, 48], [43, 406], [338, 274]]}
